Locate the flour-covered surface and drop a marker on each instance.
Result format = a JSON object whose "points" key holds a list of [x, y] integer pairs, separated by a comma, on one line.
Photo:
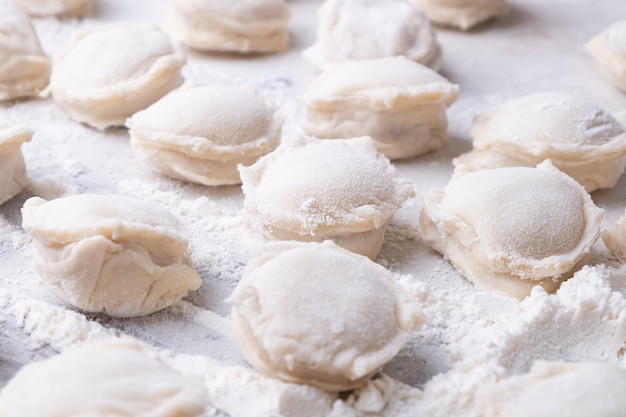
{"points": [[470, 338]]}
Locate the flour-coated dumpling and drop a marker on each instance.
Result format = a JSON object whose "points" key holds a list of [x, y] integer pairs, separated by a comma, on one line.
{"points": [[106, 379], [615, 239], [462, 14], [317, 314], [61, 8], [397, 102], [509, 229], [312, 190], [12, 167], [107, 74], [365, 29], [579, 137], [609, 50], [558, 389], [24, 68], [201, 134], [232, 26], [110, 253]]}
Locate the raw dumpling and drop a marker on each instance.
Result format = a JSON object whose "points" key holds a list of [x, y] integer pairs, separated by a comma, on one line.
{"points": [[24, 69], [365, 29], [580, 138], [105, 379], [200, 134], [110, 253], [107, 74], [312, 190], [12, 167], [462, 14], [509, 229], [615, 240], [61, 8], [397, 102], [609, 50], [317, 314], [227, 25]]}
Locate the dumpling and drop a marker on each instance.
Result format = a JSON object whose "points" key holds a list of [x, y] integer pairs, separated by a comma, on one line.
{"points": [[509, 229], [231, 26], [60, 8], [107, 74], [609, 50], [365, 29], [105, 379], [24, 69], [312, 190], [201, 134], [580, 138], [462, 14], [110, 253], [12, 167], [313, 313], [615, 239], [397, 102]]}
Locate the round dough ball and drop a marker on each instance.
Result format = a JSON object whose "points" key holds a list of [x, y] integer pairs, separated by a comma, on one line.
{"points": [[107, 74], [312, 190], [609, 50], [106, 379], [615, 239], [316, 314], [109, 253], [462, 14], [397, 102], [580, 138], [60, 8], [12, 167], [201, 134], [510, 229]]}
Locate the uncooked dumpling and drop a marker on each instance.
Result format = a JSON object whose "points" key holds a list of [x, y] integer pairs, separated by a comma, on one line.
{"points": [[312, 190], [509, 229], [317, 314], [107, 74], [397, 102], [580, 138], [61, 8], [109, 253], [106, 379], [12, 167], [231, 26], [24, 69], [201, 134], [615, 239], [463, 14], [609, 50]]}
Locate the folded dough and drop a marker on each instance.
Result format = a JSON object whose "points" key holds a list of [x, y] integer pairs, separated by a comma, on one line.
{"points": [[12, 166], [312, 190], [110, 253], [105, 379], [231, 26], [609, 50], [317, 314], [510, 229], [60, 8], [24, 68], [107, 74], [201, 134], [615, 239], [462, 14], [397, 102], [580, 138]]}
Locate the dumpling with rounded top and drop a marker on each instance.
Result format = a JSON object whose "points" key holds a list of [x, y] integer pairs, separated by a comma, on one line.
{"points": [[579, 137], [109, 253], [314, 313], [397, 102], [107, 74], [615, 239], [462, 14], [313, 190], [201, 134], [608, 48], [59, 8], [510, 229], [12, 167]]}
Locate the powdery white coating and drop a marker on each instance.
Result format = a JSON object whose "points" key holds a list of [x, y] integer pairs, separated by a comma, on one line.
{"points": [[107, 379], [394, 100], [110, 253], [609, 50], [615, 239], [236, 26], [201, 134], [12, 167], [61, 8], [107, 74], [579, 137], [462, 14], [317, 314]]}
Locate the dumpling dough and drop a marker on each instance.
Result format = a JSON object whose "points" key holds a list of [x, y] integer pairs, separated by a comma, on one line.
{"points": [[365, 29], [61, 8], [397, 102], [105, 379], [312, 190], [200, 134], [509, 229], [462, 14], [107, 74], [580, 138], [615, 239], [316, 314], [609, 50], [24, 69], [110, 253], [12, 167], [226, 25], [558, 389]]}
